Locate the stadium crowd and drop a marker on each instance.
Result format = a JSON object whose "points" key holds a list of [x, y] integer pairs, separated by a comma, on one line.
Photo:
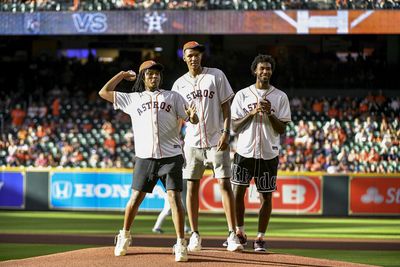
{"points": [[99, 5], [51, 115]]}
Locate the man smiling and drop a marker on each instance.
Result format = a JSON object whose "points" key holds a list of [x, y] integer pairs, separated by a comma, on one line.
{"points": [[260, 113]]}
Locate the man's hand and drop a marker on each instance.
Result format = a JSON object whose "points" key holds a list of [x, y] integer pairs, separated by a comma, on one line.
{"points": [[265, 106], [191, 113], [107, 91], [223, 142], [129, 75]]}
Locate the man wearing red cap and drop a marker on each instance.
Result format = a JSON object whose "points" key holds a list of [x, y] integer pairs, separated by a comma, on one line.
{"points": [[155, 113], [208, 141]]}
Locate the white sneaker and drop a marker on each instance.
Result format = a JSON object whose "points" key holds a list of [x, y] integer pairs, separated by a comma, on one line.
{"points": [[180, 251], [234, 243], [122, 242], [194, 242]]}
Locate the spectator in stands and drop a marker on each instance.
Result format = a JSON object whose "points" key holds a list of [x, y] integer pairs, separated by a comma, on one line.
{"points": [[18, 116], [83, 115], [89, 5]]}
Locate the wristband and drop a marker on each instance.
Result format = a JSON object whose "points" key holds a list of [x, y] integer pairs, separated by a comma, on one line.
{"points": [[226, 131]]}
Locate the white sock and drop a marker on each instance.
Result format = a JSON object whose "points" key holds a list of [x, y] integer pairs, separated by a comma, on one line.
{"points": [[181, 241], [260, 235], [125, 232], [240, 229]]}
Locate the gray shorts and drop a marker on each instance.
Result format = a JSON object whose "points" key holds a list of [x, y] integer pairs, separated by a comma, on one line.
{"points": [[148, 171], [197, 159]]}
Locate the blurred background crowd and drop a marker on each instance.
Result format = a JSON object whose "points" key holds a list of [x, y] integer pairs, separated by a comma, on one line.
{"points": [[51, 115], [99, 5]]}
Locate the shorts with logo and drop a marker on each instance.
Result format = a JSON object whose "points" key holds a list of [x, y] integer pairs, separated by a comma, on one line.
{"points": [[197, 159], [263, 171], [148, 171]]}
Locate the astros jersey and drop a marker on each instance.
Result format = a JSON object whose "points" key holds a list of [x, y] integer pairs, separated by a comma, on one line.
{"points": [[209, 90], [258, 139], [154, 118]]}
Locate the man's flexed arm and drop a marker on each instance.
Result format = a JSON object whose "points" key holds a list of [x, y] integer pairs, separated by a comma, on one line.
{"points": [[107, 92]]}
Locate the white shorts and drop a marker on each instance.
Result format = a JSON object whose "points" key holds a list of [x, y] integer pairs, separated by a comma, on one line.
{"points": [[197, 159]]}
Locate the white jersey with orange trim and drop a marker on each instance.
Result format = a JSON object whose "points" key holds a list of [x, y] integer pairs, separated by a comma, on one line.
{"points": [[257, 139], [208, 90], [155, 121]]}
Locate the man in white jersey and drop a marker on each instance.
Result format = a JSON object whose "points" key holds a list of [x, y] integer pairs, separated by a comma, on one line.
{"points": [[154, 114], [208, 141], [260, 113]]}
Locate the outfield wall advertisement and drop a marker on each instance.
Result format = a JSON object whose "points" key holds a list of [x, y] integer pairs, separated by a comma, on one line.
{"points": [[294, 195], [97, 191], [12, 190], [201, 22], [374, 195], [110, 189]]}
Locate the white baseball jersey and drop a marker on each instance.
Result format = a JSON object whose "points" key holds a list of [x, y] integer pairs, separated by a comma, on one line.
{"points": [[154, 118], [209, 90], [257, 139]]}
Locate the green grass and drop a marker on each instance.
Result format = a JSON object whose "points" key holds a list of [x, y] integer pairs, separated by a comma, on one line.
{"points": [[380, 258], [210, 225], [11, 251], [213, 225]]}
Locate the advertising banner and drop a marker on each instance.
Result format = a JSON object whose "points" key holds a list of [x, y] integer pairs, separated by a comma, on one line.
{"points": [[294, 195], [374, 195], [97, 191], [12, 190], [201, 22]]}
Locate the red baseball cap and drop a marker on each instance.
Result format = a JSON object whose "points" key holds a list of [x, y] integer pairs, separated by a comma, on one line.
{"points": [[151, 64], [194, 45]]}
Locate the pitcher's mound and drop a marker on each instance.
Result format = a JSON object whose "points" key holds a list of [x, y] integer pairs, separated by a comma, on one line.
{"points": [[149, 257]]}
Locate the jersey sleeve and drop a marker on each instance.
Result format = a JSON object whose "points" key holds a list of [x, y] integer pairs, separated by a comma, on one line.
{"points": [[224, 89], [175, 86], [284, 113], [236, 107], [123, 101]]}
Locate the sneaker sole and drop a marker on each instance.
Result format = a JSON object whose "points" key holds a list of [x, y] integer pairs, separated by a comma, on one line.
{"points": [[195, 249], [235, 249], [226, 245], [260, 250], [181, 259], [119, 254]]}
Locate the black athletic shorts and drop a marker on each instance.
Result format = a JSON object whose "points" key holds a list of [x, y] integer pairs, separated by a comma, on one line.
{"points": [[263, 171], [148, 171]]}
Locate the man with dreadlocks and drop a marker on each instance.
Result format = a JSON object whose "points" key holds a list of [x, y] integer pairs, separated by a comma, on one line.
{"points": [[155, 117]]}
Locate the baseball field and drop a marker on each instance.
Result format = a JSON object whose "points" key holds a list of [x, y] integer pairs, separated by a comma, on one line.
{"points": [[357, 240]]}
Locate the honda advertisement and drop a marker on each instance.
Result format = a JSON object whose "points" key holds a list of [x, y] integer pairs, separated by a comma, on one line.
{"points": [[294, 195], [98, 191], [374, 195]]}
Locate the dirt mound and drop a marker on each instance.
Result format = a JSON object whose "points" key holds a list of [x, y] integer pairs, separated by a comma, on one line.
{"points": [[155, 256]]}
